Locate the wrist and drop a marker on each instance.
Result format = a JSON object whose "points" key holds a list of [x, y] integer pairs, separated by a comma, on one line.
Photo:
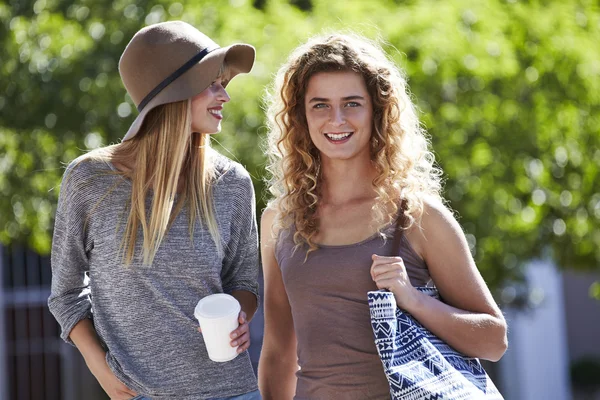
{"points": [[410, 300], [96, 361]]}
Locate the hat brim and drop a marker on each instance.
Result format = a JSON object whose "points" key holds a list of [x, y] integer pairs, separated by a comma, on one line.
{"points": [[239, 58]]}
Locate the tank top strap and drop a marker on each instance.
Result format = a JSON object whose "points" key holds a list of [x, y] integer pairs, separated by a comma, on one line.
{"points": [[415, 265]]}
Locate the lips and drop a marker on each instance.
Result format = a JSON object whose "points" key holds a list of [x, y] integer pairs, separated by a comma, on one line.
{"points": [[338, 137], [216, 112]]}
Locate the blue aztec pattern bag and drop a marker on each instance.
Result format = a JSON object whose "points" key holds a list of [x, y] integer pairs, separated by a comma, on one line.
{"points": [[419, 365]]}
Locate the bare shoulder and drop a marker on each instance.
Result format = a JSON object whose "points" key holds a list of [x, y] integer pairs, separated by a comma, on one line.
{"points": [[436, 222], [268, 217], [267, 225], [436, 214]]}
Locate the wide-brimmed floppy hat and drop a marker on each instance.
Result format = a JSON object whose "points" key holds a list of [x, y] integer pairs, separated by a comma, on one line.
{"points": [[173, 61]]}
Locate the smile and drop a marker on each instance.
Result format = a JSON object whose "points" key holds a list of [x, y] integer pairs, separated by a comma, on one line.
{"points": [[338, 137], [216, 112]]}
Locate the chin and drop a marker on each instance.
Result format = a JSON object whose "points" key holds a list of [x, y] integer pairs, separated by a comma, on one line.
{"points": [[208, 131], [342, 156], [217, 130]]}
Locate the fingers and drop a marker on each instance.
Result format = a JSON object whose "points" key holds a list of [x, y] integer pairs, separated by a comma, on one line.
{"points": [[241, 336], [243, 328], [389, 275], [244, 347], [129, 392], [243, 342], [125, 394], [121, 391], [240, 331], [381, 269], [385, 264], [384, 259], [384, 284], [388, 280], [121, 387]]}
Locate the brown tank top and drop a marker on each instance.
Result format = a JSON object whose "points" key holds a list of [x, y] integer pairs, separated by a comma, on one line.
{"points": [[328, 299]]}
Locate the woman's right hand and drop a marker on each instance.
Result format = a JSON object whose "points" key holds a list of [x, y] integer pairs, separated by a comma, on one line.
{"points": [[113, 387], [85, 338]]}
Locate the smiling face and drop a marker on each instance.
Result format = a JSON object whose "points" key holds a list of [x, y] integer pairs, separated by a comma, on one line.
{"points": [[339, 113], [207, 107]]}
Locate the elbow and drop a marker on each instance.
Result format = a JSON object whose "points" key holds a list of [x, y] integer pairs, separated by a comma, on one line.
{"points": [[276, 380], [499, 343], [499, 350], [276, 367]]}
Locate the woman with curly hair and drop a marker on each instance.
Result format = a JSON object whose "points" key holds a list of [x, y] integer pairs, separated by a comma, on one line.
{"points": [[351, 171]]}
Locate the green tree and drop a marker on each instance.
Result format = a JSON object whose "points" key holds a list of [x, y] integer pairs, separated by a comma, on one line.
{"points": [[509, 92]]}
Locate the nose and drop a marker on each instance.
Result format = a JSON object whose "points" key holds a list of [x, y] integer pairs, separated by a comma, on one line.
{"points": [[337, 117], [222, 95]]}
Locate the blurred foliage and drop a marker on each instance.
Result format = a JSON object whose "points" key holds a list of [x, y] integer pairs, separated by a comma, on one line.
{"points": [[594, 291], [509, 90]]}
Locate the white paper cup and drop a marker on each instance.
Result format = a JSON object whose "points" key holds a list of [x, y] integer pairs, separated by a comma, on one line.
{"points": [[218, 317]]}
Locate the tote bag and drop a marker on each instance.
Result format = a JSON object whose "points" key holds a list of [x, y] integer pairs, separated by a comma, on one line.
{"points": [[418, 364]]}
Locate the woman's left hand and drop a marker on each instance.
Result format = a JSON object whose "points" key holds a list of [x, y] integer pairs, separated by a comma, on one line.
{"points": [[241, 336], [389, 273]]}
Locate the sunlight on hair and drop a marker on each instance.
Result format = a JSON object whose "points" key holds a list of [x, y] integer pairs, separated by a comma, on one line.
{"points": [[173, 169], [406, 170]]}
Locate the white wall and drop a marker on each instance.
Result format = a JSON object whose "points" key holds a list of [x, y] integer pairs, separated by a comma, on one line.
{"points": [[583, 314], [536, 363]]}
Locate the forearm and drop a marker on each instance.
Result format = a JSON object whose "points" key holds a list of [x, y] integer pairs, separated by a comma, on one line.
{"points": [[474, 334], [84, 336], [86, 340], [248, 302], [276, 377]]}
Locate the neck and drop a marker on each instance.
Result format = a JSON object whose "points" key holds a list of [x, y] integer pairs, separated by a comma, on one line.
{"points": [[345, 181]]}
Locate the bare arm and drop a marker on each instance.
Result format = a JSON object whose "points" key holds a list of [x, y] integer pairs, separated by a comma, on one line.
{"points": [[247, 302], [278, 361], [83, 335], [469, 319]]}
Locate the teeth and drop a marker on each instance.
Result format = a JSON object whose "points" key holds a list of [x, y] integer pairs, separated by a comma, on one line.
{"points": [[338, 136], [215, 112]]}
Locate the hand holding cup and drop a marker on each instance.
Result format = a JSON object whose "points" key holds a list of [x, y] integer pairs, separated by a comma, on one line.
{"points": [[221, 318]]}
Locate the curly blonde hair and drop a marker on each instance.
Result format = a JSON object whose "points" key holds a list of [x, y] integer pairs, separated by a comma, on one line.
{"points": [[405, 168]]}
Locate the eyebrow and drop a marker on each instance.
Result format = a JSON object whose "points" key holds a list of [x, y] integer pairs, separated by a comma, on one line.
{"points": [[323, 99]]}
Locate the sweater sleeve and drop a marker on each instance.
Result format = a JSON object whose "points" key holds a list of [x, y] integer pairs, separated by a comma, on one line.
{"points": [[69, 299], [240, 264]]}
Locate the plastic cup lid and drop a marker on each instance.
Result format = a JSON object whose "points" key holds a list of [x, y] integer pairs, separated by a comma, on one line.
{"points": [[217, 306]]}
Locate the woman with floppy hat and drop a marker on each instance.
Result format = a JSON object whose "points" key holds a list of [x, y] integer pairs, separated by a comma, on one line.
{"points": [[146, 227], [356, 207]]}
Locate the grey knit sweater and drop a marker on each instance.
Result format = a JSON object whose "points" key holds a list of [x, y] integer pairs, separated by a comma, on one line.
{"points": [[144, 315]]}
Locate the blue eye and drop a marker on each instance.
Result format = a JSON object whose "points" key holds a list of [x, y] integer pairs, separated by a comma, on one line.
{"points": [[320, 105], [352, 104]]}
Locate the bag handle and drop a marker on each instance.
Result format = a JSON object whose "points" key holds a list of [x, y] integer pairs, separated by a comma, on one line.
{"points": [[397, 241], [398, 230]]}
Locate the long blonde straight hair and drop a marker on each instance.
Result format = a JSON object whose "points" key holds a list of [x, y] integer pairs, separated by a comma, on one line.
{"points": [[168, 159]]}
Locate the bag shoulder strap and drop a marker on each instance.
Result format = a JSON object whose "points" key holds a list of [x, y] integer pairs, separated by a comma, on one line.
{"points": [[399, 231], [398, 225]]}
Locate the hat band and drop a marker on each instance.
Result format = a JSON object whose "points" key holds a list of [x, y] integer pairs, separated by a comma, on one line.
{"points": [[180, 71]]}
